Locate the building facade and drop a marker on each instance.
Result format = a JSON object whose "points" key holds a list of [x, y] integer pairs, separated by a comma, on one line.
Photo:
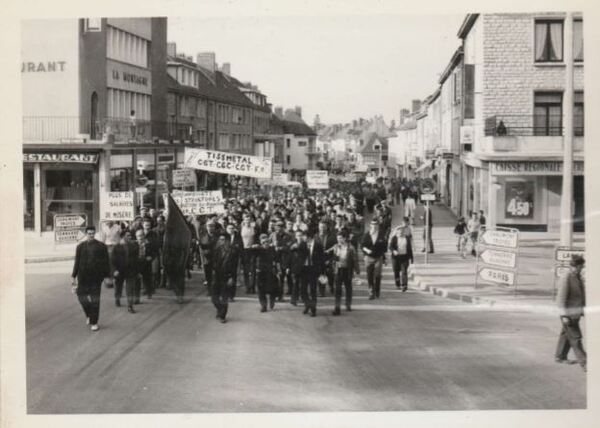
{"points": [[103, 88], [514, 82]]}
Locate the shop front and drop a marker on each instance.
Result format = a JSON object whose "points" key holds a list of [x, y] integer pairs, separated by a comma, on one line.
{"points": [[59, 182], [528, 194]]}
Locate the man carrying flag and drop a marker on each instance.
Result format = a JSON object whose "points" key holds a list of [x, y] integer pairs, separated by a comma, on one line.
{"points": [[177, 240]]}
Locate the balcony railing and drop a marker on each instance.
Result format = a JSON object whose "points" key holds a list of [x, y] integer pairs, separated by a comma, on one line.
{"points": [[534, 125]]}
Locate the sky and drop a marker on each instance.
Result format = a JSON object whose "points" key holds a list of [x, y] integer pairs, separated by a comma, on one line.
{"points": [[340, 67]]}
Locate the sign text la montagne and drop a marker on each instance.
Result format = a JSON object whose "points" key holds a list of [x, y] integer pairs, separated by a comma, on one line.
{"points": [[130, 77]]}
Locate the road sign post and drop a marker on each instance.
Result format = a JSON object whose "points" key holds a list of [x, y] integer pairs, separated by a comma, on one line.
{"points": [[427, 195], [497, 256]]}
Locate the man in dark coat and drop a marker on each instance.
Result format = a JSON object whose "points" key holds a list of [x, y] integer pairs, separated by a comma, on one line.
{"points": [[266, 259], [327, 240], [223, 265], [125, 260], [90, 268], [237, 245], [374, 247], [299, 253], [281, 243], [208, 240], [314, 268], [571, 302]]}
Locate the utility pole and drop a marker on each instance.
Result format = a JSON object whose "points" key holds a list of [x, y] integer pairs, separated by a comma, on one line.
{"points": [[566, 205]]}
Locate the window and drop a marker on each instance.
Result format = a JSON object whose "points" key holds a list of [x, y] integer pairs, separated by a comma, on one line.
{"points": [[93, 25], [578, 117], [126, 47], [223, 142], [547, 118], [287, 159], [548, 41], [301, 143], [578, 40], [287, 143]]}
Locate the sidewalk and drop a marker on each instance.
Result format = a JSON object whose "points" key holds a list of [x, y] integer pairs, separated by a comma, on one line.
{"points": [[448, 275], [43, 249]]}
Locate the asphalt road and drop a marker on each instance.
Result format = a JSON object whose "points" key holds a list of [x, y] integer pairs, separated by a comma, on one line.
{"points": [[406, 351]]}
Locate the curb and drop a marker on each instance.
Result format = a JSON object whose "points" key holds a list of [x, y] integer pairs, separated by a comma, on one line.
{"points": [[48, 259]]}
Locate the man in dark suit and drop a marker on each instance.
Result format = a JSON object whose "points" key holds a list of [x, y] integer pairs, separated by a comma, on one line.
{"points": [[281, 243], [223, 263], [314, 267], [374, 246], [571, 301], [90, 268], [299, 253], [327, 240], [237, 245], [125, 261], [208, 241], [146, 253]]}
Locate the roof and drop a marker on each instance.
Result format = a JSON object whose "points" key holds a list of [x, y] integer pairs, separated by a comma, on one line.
{"points": [[222, 91], [467, 25], [370, 139], [293, 124], [239, 84], [456, 57]]}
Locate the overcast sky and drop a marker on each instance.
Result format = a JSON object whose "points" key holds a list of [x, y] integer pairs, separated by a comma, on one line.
{"points": [[340, 67]]}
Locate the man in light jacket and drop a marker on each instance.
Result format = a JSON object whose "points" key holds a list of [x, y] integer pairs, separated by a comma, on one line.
{"points": [[571, 301]]}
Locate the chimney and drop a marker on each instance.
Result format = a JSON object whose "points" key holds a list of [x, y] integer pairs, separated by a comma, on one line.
{"points": [[279, 111], [226, 68], [207, 60], [416, 106], [298, 111], [172, 49]]}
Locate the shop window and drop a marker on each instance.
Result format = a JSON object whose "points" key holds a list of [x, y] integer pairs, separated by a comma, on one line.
{"points": [[67, 192], [28, 199], [578, 116], [548, 41], [578, 40], [547, 114]]}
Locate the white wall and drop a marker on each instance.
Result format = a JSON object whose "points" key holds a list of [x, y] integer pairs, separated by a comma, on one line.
{"points": [[50, 91]]}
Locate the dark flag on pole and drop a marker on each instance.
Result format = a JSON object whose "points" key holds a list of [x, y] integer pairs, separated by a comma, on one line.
{"points": [[178, 238]]}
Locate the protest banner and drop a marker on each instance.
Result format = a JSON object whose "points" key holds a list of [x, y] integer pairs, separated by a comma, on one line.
{"points": [[228, 163], [316, 179], [198, 203], [118, 206]]}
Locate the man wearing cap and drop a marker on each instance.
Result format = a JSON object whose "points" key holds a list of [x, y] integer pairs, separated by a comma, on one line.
{"points": [[374, 246], [90, 268], [571, 301]]}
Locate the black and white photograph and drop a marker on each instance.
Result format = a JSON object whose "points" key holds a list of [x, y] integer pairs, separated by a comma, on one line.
{"points": [[331, 209]]}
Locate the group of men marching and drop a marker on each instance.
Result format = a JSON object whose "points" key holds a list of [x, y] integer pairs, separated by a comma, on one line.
{"points": [[300, 246]]}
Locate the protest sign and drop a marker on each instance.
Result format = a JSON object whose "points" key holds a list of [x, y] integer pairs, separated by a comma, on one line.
{"points": [[228, 163], [316, 179], [118, 206], [198, 203]]}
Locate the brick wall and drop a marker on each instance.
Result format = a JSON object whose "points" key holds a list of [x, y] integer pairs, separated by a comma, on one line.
{"points": [[510, 75]]}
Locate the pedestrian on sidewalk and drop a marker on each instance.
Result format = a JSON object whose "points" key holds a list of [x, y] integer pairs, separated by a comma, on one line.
{"points": [[374, 246], [460, 230], [402, 254], [346, 264], [91, 267], [473, 227], [427, 230], [410, 207], [571, 302]]}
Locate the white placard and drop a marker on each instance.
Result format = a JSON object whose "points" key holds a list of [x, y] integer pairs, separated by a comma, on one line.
{"points": [[228, 163], [428, 196], [563, 254], [198, 203], [316, 179], [184, 178], [68, 228], [118, 206]]}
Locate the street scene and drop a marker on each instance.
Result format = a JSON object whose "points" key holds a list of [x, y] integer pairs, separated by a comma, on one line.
{"points": [[192, 245]]}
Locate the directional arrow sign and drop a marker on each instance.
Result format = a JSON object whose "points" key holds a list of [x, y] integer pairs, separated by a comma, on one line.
{"points": [[500, 238], [499, 258], [563, 254], [66, 236], [497, 275], [69, 221]]}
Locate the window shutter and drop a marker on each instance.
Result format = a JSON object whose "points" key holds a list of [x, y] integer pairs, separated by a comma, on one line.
{"points": [[469, 91]]}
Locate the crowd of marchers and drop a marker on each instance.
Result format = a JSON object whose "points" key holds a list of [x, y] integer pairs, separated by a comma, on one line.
{"points": [[281, 245]]}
